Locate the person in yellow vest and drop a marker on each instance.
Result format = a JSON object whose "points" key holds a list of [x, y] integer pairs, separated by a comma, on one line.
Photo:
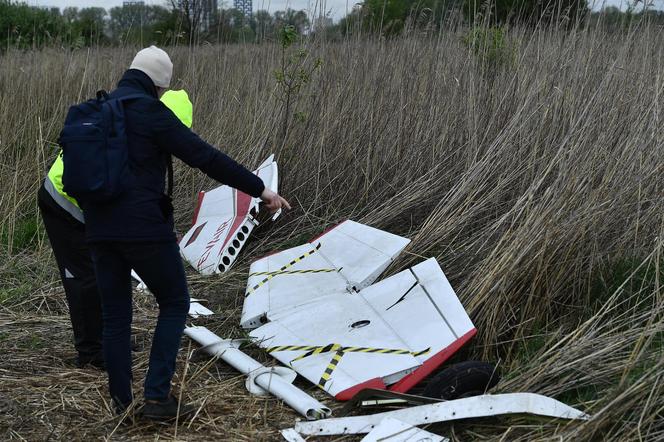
{"points": [[65, 226]]}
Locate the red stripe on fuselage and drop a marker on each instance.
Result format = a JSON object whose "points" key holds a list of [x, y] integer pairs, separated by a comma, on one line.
{"points": [[201, 195], [242, 203]]}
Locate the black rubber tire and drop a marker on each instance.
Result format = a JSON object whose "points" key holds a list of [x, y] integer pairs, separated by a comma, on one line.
{"points": [[465, 379]]}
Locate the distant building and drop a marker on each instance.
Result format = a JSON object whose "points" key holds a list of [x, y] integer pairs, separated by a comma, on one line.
{"points": [[246, 6], [208, 13]]}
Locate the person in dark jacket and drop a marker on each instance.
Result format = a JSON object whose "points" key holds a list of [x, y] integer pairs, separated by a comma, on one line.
{"points": [[136, 231], [65, 226]]}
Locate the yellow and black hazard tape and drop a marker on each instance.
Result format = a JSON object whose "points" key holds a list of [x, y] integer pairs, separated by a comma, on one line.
{"points": [[290, 264], [327, 374], [339, 352], [317, 349], [293, 272]]}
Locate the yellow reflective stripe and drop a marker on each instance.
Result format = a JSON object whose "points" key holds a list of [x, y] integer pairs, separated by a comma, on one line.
{"points": [[339, 352], [291, 348], [327, 374], [318, 349]]}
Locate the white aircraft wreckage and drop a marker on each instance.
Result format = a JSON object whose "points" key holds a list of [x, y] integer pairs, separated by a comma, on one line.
{"points": [[316, 309], [320, 311], [472, 407], [223, 220]]}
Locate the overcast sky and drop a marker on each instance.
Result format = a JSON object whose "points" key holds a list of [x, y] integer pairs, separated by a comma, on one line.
{"points": [[336, 8]]}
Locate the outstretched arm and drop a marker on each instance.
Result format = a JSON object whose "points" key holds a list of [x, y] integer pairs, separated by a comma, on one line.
{"points": [[175, 138]]}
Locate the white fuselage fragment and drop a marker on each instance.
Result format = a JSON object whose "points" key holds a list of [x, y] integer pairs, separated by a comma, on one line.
{"points": [[393, 430], [261, 379], [222, 223], [472, 407]]}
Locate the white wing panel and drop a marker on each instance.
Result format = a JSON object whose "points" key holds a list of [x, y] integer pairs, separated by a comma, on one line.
{"points": [[416, 321], [349, 255], [441, 293], [361, 252], [404, 299], [285, 280], [308, 339]]}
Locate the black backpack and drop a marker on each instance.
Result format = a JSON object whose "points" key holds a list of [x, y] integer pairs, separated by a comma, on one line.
{"points": [[94, 146]]}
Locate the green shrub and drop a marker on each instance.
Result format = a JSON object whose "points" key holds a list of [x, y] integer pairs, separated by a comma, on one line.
{"points": [[490, 45]]}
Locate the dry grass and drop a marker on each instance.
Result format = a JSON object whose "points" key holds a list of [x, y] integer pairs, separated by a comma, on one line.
{"points": [[536, 183]]}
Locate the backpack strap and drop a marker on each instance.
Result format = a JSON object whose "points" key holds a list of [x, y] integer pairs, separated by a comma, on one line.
{"points": [[169, 163], [169, 158]]}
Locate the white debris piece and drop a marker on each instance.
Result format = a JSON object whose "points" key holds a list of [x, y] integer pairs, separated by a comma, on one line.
{"points": [[222, 223], [196, 309], [316, 312], [393, 430], [261, 379], [141, 287], [472, 407], [291, 435]]}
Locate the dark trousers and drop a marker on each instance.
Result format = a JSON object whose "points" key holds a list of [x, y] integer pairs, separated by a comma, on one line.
{"points": [[160, 267], [67, 237]]}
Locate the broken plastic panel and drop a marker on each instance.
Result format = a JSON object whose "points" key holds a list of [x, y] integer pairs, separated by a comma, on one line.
{"points": [[393, 430], [392, 333], [344, 259], [472, 407], [223, 220]]}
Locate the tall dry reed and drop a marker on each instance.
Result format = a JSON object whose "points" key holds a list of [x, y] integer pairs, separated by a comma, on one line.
{"points": [[537, 181]]}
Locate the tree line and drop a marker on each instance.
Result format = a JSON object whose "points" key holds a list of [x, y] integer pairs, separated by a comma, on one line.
{"points": [[185, 22], [25, 26]]}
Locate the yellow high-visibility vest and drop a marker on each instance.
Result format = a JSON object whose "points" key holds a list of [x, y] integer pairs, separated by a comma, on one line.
{"points": [[176, 101]]}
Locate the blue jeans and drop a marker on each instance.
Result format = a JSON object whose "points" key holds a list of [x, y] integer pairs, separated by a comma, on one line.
{"points": [[160, 267]]}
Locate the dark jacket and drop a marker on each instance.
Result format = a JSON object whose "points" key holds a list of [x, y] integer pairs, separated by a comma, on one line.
{"points": [[143, 213]]}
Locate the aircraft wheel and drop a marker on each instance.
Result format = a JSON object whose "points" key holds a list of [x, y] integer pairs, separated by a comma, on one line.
{"points": [[465, 379]]}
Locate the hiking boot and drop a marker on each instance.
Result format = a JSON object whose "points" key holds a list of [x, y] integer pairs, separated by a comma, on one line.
{"points": [[127, 417], [165, 410], [95, 362]]}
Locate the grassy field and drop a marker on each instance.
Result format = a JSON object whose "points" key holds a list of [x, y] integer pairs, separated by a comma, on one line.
{"points": [[532, 169]]}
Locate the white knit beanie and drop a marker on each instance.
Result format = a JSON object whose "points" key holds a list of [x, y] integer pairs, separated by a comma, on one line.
{"points": [[156, 64]]}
